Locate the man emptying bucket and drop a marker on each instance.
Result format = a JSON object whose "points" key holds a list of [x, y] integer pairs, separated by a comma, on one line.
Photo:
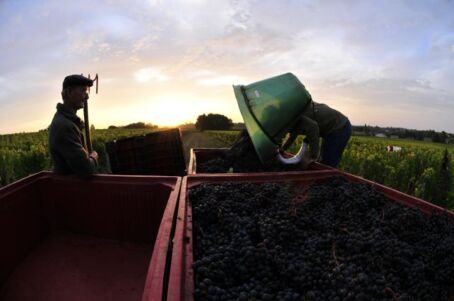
{"points": [[273, 107]]}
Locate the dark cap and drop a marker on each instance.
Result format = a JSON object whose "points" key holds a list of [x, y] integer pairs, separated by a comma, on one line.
{"points": [[76, 80]]}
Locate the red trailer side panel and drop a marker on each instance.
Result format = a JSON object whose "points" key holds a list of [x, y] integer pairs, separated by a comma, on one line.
{"points": [[105, 238]]}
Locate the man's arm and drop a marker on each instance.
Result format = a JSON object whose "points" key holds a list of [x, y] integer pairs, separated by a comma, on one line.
{"points": [[310, 128], [70, 147]]}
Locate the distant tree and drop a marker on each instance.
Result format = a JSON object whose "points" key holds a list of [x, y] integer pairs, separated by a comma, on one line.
{"points": [[444, 136], [92, 127], [112, 127], [135, 125], [419, 135], [187, 126], [409, 134], [438, 137], [200, 124], [139, 125], [213, 122]]}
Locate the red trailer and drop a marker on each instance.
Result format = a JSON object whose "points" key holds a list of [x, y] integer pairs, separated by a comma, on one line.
{"points": [[106, 238], [203, 155], [181, 279]]}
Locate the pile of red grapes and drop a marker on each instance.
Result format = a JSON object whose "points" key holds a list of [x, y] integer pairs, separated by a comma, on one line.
{"points": [[332, 240]]}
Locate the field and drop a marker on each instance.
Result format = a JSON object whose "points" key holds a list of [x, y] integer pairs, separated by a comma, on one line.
{"points": [[419, 169]]}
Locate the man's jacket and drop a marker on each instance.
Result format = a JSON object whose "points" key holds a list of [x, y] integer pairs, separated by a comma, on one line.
{"points": [[66, 144], [318, 120]]}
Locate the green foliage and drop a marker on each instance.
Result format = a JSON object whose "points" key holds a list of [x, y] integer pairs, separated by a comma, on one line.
{"points": [[213, 122], [27, 153], [420, 169], [139, 125], [444, 182], [416, 169], [227, 138]]}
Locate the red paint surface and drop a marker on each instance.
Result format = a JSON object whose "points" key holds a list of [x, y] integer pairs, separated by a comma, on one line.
{"points": [[106, 238], [67, 266]]}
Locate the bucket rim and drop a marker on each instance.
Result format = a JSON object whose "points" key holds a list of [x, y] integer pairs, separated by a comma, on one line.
{"points": [[265, 147]]}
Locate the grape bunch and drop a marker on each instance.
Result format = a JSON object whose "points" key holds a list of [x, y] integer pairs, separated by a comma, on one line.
{"points": [[332, 240]]}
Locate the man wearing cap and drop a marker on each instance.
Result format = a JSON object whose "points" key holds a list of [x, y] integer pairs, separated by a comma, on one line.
{"points": [[321, 121], [66, 143]]}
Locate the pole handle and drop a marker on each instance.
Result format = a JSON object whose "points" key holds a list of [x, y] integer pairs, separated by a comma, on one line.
{"points": [[86, 121], [87, 128], [87, 125]]}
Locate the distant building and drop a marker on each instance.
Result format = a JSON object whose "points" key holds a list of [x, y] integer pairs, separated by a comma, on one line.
{"points": [[380, 135], [427, 139], [394, 137]]}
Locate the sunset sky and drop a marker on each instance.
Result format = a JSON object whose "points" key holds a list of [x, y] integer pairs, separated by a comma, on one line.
{"points": [[385, 63]]}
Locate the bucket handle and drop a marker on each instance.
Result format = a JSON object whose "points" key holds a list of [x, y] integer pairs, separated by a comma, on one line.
{"points": [[294, 159]]}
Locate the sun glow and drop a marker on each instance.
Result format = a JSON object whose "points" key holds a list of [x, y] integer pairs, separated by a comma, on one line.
{"points": [[175, 109], [172, 113]]}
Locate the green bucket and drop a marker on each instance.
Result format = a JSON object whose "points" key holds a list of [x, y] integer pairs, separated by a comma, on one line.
{"points": [[270, 108]]}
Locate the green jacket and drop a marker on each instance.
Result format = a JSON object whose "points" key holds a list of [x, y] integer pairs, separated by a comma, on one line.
{"points": [[317, 121], [67, 146]]}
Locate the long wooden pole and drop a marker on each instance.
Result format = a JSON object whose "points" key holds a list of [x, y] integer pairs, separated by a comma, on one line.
{"points": [[86, 121], [87, 128]]}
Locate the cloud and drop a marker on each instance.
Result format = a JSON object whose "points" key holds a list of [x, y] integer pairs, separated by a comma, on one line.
{"points": [[144, 43], [104, 47], [113, 25], [154, 3], [225, 80], [199, 73], [404, 94], [150, 74], [397, 55]]}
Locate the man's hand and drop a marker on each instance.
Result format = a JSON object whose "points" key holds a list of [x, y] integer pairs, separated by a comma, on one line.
{"points": [[94, 155], [279, 150]]}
